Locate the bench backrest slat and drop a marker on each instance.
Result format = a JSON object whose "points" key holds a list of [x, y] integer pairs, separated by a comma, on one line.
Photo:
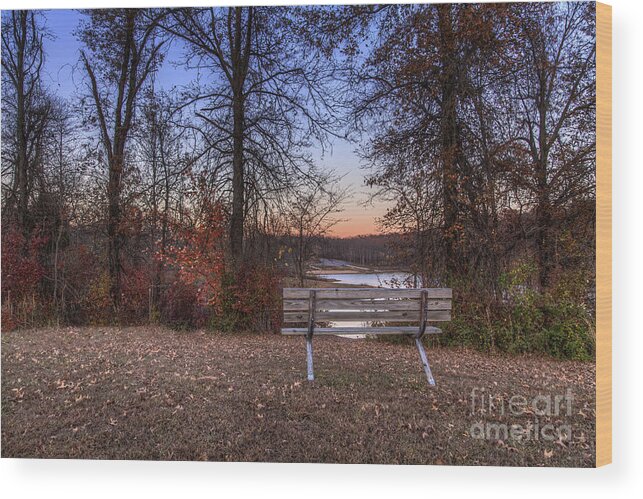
{"points": [[367, 304]]}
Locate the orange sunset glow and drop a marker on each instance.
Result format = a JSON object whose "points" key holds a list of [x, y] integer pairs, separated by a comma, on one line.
{"points": [[358, 221]]}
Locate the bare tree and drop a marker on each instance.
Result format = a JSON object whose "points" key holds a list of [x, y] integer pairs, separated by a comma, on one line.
{"points": [[25, 110], [311, 214], [163, 138], [266, 99], [122, 50], [60, 195], [555, 87]]}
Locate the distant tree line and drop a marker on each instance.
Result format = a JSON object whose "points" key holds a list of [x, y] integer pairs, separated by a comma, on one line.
{"points": [[369, 250]]}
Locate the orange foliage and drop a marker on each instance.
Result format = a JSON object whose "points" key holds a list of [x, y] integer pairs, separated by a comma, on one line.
{"points": [[198, 255]]}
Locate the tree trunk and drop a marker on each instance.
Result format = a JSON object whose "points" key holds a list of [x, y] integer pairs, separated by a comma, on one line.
{"points": [[544, 235], [238, 188], [449, 139], [544, 239], [114, 230], [239, 58], [21, 131], [301, 258]]}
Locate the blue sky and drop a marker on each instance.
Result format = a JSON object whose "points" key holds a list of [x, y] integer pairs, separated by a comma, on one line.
{"points": [[63, 75]]}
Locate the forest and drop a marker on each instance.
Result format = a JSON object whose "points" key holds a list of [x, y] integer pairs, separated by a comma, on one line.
{"points": [[475, 123]]}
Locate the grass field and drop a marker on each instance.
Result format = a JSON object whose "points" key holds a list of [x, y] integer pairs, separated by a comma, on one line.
{"points": [[152, 393]]}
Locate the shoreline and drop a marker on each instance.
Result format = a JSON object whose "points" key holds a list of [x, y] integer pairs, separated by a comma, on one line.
{"points": [[350, 268]]}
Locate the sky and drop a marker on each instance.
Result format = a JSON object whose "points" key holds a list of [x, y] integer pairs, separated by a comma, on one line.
{"points": [[63, 75]]}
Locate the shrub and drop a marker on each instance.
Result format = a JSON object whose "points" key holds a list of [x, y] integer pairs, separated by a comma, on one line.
{"points": [[135, 298], [22, 273], [569, 331], [88, 299], [557, 322], [249, 301], [97, 303], [83, 290], [179, 307]]}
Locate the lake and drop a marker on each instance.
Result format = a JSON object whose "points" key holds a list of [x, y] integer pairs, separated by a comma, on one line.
{"points": [[380, 280]]}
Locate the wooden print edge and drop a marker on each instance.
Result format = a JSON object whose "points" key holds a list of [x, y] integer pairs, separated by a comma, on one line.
{"points": [[603, 234]]}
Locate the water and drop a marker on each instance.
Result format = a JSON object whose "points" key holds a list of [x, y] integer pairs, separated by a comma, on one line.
{"points": [[379, 280]]}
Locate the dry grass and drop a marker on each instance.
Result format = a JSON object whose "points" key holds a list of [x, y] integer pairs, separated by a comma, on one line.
{"points": [[151, 393]]}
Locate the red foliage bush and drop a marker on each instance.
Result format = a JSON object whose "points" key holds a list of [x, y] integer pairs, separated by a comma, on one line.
{"points": [[198, 255], [205, 291], [21, 267], [197, 260], [22, 272], [257, 297]]}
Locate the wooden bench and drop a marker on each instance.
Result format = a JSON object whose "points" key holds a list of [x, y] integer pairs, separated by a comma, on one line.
{"points": [[379, 305]]}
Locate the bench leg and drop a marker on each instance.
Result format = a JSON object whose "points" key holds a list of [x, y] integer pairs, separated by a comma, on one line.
{"points": [[309, 357], [425, 361]]}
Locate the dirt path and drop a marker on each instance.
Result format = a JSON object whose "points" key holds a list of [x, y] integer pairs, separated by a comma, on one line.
{"points": [[150, 393]]}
